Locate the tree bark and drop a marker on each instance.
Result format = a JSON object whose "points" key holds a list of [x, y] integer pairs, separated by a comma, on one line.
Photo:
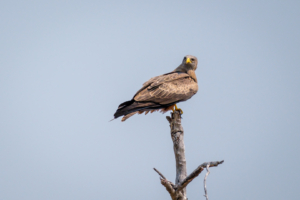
{"points": [[177, 191], [177, 135]]}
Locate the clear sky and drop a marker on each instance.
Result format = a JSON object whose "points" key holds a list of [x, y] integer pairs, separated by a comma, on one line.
{"points": [[65, 66]]}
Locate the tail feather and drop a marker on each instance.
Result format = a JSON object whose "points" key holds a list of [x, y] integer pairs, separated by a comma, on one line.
{"points": [[128, 115], [129, 108], [126, 103], [132, 106]]}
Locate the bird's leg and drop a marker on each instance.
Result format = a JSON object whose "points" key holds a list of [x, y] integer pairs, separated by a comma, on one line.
{"points": [[178, 109], [173, 108]]}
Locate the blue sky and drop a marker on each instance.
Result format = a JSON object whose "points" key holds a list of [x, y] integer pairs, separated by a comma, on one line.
{"points": [[65, 66]]}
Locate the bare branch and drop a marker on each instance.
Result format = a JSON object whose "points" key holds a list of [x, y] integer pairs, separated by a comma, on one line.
{"points": [[205, 190], [169, 119], [195, 173], [178, 191], [177, 134], [169, 187], [162, 176]]}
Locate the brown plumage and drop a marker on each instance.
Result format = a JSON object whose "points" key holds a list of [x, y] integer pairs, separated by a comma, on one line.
{"points": [[161, 93]]}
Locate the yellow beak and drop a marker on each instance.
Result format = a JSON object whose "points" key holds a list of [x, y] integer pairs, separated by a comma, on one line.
{"points": [[188, 60]]}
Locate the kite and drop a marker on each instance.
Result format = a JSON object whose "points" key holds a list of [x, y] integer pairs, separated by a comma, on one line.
{"points": [[162, 93]]}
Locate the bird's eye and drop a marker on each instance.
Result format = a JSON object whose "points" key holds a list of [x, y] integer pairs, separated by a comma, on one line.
{"points": [[192, 59], [184, 58]]}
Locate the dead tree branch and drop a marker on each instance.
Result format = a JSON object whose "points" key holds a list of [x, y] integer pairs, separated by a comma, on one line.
{"points": [[170, 187], [177, 134], [177, 191], [195, 173], [161, 175], [205, 190]]}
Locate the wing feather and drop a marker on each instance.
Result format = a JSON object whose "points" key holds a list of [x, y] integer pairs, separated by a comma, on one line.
{"points": [[154, 82], [167, 89]]}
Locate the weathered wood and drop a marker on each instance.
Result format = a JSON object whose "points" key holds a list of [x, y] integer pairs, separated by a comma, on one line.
{"points": [[177, 134], [195, 173], [177, 191], [161, 175]]}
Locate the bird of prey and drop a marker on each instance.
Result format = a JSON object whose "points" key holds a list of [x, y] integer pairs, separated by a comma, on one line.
{"points": [[163, 92]]}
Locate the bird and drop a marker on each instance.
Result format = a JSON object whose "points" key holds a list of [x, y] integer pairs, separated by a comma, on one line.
{"points": [[164, 92]]}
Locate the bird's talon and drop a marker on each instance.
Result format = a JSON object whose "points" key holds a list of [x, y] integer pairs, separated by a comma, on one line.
{"points": [[177, 109], [181, 112]]}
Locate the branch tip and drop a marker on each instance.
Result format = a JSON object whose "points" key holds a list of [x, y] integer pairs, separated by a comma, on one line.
{"points": [[195, 173], [169, 119], [161, 175]]}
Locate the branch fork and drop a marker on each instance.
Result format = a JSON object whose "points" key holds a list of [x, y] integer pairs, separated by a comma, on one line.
{"points": [[177, 191]]}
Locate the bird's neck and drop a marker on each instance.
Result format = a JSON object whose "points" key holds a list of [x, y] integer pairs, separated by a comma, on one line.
{"points": [[192, 74], [189, 71]]}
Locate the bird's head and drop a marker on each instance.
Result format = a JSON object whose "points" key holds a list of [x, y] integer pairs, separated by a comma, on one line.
{"points": [[188, 63]]}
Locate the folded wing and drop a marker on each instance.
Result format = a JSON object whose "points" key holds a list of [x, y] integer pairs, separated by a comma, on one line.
{"points": [[167, 89], [159, 92]]}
